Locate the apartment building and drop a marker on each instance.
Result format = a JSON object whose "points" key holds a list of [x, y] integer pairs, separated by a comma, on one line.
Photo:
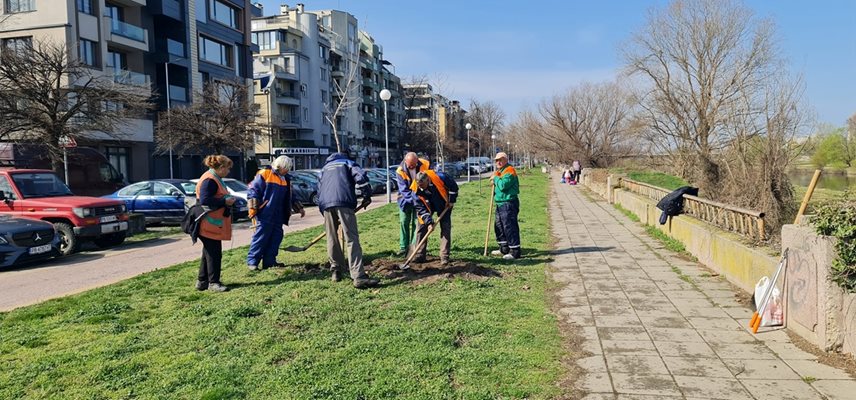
{"points": [[432, 115], [303, 57], [173, 46]]}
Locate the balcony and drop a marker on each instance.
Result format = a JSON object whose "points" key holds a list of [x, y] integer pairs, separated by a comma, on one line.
{"points": [[292, 121], [289, 97], [126, 77], [169, 8], [126, 35], [286, 73], [175, 48]]}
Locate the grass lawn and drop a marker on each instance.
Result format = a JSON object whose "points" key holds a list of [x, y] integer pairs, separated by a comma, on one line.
{"points": [[658, 179], [291, 333]]}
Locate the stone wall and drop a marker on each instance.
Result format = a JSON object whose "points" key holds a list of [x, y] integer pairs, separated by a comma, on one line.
{"points": [[817, 309]]}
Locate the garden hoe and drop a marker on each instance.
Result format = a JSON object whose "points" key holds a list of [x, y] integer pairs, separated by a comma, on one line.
{"points": [[297, 249], [424, 240]]}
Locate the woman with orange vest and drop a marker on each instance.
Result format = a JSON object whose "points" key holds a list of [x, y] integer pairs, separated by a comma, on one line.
{"points": [[216, 225]]}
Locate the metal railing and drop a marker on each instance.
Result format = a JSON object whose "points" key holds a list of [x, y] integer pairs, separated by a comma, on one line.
{"points": [[127, 77], [127, 30], [747, 223]]}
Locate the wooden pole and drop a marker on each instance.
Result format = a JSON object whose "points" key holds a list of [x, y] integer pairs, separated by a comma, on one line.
{"points": [[807, 196], [489, 219]]}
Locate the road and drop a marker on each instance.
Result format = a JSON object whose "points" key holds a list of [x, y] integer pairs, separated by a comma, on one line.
{"points": [[92, 269]]}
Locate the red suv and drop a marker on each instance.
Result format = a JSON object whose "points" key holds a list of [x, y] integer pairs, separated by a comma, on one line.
{"points": [[40, 194]]}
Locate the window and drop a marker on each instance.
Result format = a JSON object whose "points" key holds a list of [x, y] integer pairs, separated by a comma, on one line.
{"points": [[325, 21], [85, 6], [323, 74], [164, 189], [224, 14], [117, 60], [19, 45], [16, 6], [6, 188], [118, 158], [137, 189], [88, 52], [265, 40], [322, 52], [215, 52]]}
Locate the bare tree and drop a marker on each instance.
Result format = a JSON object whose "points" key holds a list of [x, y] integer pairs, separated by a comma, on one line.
{"points": [[592, 123], [46, 95], [487, 119], [425, 132], [345, 94], [223, 120], [700, 58]]}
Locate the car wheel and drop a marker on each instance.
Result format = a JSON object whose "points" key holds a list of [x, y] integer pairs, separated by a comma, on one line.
{"points": [[68, 243], [314, 199], [110, 240]]}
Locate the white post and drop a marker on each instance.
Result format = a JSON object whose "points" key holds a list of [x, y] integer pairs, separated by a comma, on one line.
{"points": [[65, 163], [467, 161], [386, 136], [166, 71]]}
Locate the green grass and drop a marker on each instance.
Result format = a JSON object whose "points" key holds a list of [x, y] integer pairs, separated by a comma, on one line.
{"points": [[671, 244], [658, 179], [291, 333], [627, 213]]}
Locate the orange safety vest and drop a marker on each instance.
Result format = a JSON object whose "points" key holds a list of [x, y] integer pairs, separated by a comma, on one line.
{"points": [[425, 165], [438, 183], [214, 225]]}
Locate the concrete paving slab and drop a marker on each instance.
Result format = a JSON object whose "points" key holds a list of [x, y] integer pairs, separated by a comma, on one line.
{"points": [[773, 389], [836, 389], [657, 385], [712, 388], [636, 364], [685, 349], [623, 333], [694, 366], [814, 369], [629, 347], [761, 369], [674, 335]]}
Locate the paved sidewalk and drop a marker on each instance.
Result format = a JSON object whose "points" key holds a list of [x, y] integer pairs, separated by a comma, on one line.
{"points": [[659, 327]]}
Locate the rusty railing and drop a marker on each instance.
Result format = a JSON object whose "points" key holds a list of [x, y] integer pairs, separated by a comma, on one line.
{"points": [[748, 223]]}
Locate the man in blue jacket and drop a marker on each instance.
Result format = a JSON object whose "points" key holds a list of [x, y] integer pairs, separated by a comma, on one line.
{"points": [[435, 191], [405, 175], [342, 181], [271, 202]]}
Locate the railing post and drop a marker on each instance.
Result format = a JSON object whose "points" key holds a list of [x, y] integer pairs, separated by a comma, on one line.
{"points": [[761, 233]]}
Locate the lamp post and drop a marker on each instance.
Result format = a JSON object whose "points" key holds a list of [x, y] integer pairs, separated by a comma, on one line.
{"points": [[508, 149], [385, 95], [467, 162], [493, 149]]}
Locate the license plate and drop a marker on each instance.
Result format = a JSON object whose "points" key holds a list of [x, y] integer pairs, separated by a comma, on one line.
{"points": [[40, 249], [111, 228], [243, 208], [109, 218]]}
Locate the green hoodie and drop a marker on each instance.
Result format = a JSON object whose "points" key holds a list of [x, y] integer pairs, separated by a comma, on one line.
{"points": [[507, 186]]}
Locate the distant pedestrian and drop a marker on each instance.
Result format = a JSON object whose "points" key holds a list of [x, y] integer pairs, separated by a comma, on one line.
{"points": [[405, 176], [576, 168], [342, 181], [506, 189], [271, 201], [436, 191], [566, 176], [216, 225]]}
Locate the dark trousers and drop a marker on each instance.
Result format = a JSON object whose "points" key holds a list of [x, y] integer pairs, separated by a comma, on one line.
{"points": [[212, 257], [445, 237], [506, 227], [265, 244], [576, 176]]}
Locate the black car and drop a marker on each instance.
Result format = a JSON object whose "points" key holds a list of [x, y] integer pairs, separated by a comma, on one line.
{"points": [[305, 188], [24, 240]]}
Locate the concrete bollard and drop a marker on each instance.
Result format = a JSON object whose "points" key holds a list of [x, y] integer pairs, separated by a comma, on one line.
{"points": [[610, 193]]}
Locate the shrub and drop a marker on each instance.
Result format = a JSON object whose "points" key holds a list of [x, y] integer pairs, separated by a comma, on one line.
{"points": [[838, 219]]}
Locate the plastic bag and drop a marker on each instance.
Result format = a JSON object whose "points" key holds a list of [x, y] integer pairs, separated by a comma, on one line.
{"points": [[773, 314]]}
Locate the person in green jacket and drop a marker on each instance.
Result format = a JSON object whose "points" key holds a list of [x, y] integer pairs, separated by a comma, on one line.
{"points": [[506, 188]]}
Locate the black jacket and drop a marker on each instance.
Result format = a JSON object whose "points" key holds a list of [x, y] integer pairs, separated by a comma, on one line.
{"points": [[190, 223], [673, 203]]}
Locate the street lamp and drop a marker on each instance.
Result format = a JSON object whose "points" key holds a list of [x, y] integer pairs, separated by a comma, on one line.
{"points": [[385, 95], [508, 148], [493, 149], [467, 162]]}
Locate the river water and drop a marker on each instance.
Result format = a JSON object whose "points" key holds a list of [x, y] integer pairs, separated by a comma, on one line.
{"points": [[830, 181]]}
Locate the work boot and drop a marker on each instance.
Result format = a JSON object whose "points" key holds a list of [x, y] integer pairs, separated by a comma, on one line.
{"points": [[508, 257], [217, 287], [445, 262], [337, 276], [401, 252], [496, 253], [420, 259], [365, 283], [201, 285], [252, 267]]}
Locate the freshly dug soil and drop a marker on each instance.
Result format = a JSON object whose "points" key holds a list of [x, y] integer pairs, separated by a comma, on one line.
{"points": [[431, 270]]}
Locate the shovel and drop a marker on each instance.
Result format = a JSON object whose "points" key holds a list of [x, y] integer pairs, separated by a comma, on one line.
{"points": [[424, 240], [297, 249]]}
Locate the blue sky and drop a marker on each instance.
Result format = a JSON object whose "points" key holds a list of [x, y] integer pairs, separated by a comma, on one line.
{"points": [[516, 53]]}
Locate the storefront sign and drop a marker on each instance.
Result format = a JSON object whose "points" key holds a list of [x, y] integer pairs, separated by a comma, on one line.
{"points": [[300, 151]]}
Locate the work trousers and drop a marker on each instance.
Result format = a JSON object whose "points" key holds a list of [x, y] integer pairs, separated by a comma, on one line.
{"points": [[445, 237], [506, 227], [407, 225], [212, 257], [264, 245], [347, 219]]}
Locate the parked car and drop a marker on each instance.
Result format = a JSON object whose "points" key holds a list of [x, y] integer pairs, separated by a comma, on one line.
{"points": [[235, 187], [40, 194], [25, 240], [159, 201], [311, 173], [377, 180], [305, 188]]}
